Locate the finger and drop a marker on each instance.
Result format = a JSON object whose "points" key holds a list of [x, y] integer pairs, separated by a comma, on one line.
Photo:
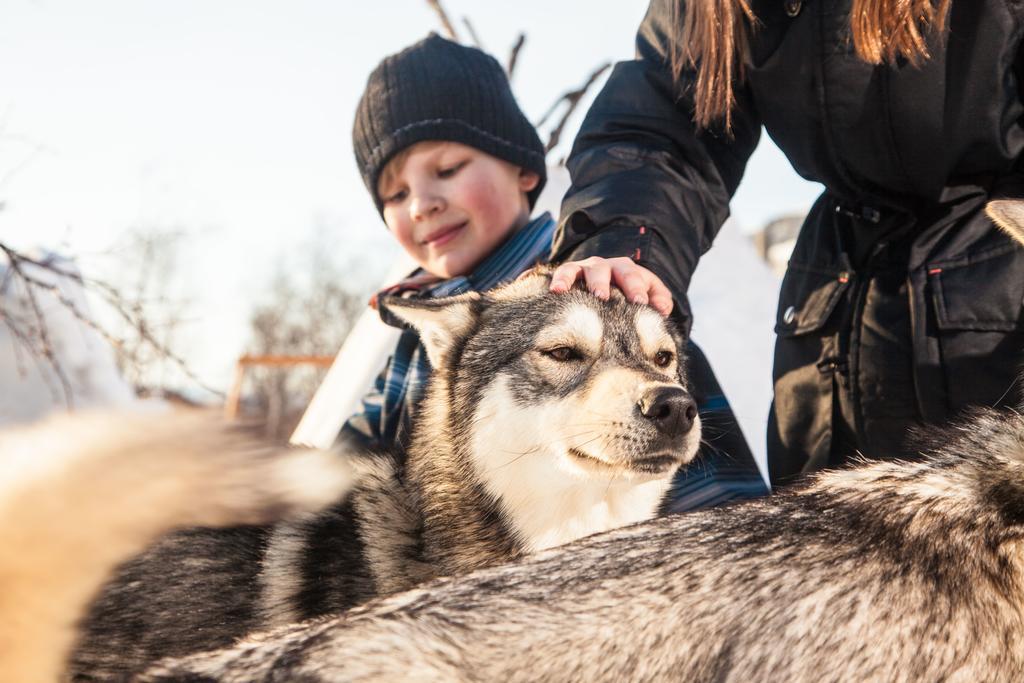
{"points": [[632, 283], [599, 276], [661, 300], [564, 276], [658, 294]]}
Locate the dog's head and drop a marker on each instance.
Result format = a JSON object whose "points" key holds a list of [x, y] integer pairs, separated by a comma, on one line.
{"points": [[592, 388]]}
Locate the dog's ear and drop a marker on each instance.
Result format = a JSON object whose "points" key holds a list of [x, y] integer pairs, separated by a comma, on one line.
{"points": [[532, 282], [440, 322], [1008, 214]]}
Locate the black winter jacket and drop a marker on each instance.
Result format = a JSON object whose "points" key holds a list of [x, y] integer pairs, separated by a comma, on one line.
{"points": [[902, 303]]}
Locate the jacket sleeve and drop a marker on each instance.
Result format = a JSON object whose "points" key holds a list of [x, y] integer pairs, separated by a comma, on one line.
{"points": [[645, 182], [364, 430]]}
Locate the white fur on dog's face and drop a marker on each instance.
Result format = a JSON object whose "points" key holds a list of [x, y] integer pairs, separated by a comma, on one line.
{"points": [[598, 418], [580, 326], [530, 458], [650, 327], [548, 497]]}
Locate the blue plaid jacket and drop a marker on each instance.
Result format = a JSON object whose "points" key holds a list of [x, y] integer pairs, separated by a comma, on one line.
{"points": [[387, 410]]}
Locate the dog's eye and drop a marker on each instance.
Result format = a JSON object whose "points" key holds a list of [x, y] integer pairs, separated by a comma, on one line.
{"points": [[663, 359], [563, 354]]}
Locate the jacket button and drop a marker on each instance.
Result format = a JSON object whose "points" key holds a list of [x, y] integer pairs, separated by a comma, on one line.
{"points": [[793, 7], [789, 316]]}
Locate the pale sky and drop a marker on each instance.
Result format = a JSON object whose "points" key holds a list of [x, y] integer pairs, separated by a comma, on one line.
{"points": [[232, 120]]}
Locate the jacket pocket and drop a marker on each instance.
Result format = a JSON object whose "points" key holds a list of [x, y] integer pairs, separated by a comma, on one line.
{"points": [[808, 298], [979, 319], [980, 294], [800, 432]]}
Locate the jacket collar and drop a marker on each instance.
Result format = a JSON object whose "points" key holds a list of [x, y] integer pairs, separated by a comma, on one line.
{"points": [[526, 247]]}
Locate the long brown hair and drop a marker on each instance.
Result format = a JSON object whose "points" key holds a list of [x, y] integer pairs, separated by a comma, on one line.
{"points": [[713, 36]]}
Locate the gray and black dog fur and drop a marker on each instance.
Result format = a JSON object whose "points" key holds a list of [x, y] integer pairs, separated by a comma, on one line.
{"points": [[890, 571], [508, 458], [887, 572]]}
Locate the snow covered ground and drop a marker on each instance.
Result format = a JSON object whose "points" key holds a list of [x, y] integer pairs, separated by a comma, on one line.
{"points": [[734, 295]]}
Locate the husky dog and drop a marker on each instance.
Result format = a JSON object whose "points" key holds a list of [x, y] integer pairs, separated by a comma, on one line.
{"points": [[548, 418], [890, 571], [79, 495]]}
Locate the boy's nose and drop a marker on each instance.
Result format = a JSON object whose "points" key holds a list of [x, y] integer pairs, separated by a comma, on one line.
{"points": [[425, 204]]}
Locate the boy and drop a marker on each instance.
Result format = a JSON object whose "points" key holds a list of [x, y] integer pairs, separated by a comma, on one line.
{"points": [[454, 168]]}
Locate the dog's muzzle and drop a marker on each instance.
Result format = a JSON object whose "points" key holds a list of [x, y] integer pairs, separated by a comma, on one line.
{"points": [[671, 410]]}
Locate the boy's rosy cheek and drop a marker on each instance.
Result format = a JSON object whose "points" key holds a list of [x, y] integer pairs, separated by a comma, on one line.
{"points": [[392, 221]]}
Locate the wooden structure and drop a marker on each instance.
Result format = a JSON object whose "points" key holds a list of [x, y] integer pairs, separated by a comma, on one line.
{"points": [[234, 398]]}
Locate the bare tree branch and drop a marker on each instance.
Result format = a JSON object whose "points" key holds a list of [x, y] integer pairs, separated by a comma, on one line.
{"points": [[443, 17], [131, 314], [513, 56], [472, 33], [572, 98], [45, 346], [30, 348]]}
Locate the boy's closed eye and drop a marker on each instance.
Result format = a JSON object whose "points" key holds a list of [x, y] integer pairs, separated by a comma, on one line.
{"points": [[449, 170], [398, 194], [395, 196]]}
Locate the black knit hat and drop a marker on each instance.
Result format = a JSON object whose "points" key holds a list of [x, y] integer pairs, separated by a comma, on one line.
{"points": [[440, 90]]}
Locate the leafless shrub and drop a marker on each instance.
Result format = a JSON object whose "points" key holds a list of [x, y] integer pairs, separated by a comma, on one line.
{"points": [[442, 17], [571, 99], [150, 265], [136, 322], [513, 55], [308, 312]]}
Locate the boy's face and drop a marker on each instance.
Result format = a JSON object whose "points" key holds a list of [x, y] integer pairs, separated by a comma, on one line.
{"points": [[450, 205]]}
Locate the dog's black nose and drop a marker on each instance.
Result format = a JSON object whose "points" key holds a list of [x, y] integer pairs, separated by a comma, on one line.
{"points": [[671, 409]]}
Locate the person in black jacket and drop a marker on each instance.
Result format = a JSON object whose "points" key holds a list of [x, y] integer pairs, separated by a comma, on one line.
{"points": [[902, 303]]}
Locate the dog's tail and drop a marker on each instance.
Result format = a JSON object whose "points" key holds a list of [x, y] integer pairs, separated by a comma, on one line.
{"points": [[79, 495]]}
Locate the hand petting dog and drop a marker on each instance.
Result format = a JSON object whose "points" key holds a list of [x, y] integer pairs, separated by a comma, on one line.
{"points": [[640, 285]]}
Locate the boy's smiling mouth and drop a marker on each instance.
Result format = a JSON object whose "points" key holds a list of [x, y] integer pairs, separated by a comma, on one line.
{"points": [[444, 235]]}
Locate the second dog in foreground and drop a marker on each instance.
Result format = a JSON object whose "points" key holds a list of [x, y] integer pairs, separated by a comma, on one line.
{"points": [[889, 572], [885, 572]]}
